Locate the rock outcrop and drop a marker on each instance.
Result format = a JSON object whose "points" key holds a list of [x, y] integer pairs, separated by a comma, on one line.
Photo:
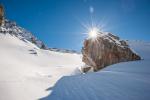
{"points": [[104, 50], [1, 14]]}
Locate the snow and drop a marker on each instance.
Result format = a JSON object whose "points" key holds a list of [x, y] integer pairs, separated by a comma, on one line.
{"points": [[30, 73], [25, 75], [123, 81]]}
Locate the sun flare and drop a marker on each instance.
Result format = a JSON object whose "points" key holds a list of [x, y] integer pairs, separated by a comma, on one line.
{"points": [[93, 32]]}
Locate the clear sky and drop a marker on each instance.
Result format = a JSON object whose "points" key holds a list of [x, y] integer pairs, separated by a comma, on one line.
{"points": [[59, 23]]}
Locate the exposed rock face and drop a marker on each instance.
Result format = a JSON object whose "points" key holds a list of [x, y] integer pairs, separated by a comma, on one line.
{"points": [[1, 15], [105, 50]]}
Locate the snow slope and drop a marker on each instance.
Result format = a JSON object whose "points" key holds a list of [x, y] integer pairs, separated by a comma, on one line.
{"points": [[123, 81], [27, 71], [30, 73]]}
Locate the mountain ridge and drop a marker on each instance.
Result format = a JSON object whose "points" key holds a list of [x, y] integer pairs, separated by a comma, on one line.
{"points": [[11, 27]]}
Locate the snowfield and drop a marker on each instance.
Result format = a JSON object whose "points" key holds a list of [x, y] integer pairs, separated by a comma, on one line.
{"points": [[30, 73], [27, 71]]}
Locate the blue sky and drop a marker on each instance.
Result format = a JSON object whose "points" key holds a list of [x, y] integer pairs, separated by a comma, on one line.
{"points": [[58, 23]]}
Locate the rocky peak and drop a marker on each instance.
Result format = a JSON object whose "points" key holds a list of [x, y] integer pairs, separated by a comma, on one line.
{"points": [[104, 50]]}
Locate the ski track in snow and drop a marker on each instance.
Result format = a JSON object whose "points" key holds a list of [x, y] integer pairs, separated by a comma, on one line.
{"points": [[29, 73]]}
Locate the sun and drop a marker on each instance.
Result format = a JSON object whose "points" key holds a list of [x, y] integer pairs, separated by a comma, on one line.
{"points": [[93, 32]]}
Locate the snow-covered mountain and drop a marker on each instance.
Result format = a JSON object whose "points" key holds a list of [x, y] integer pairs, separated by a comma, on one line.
{"points": [[30, 73]]}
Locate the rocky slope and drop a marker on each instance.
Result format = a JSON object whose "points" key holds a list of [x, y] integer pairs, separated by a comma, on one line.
{"points": [[104, 50], [12, 28]]}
